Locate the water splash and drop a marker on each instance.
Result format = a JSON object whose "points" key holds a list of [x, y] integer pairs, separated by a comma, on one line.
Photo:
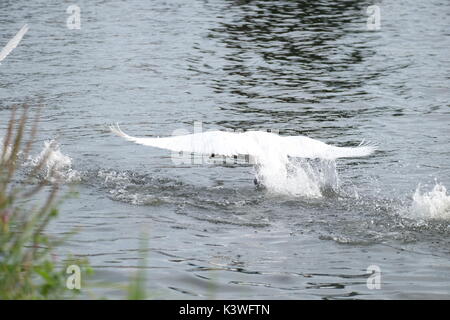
{"points": [[58, 166], [433, 205], [299, 177], [129, 187]]}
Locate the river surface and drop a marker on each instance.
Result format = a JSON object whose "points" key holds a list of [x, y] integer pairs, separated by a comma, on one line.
{"points": [[299, 67]]}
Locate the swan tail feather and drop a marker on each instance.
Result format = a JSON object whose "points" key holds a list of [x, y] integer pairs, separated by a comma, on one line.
{"points": [[117, 131]]}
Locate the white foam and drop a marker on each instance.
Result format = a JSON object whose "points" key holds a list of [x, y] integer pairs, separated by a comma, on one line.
{"points": [[119, 183], [433, 205], [298, 177], [58, 166]]}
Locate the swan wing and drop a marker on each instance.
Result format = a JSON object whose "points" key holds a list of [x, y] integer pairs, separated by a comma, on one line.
{"points": [[304, 147], [255, 143], [12, 44], [210, 142]]}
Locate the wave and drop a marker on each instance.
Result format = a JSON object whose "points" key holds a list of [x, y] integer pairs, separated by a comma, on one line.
{"points": [[128, 187]]}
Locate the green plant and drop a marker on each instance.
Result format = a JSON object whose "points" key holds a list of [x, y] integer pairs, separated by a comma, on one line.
{"points": [[27, 267], [136, 287]]}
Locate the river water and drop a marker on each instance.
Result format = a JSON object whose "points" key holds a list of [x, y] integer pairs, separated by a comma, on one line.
{"points": [[300, 67]]}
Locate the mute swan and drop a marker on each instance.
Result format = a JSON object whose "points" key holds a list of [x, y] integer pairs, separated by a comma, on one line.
{"points": [[270, 152], [259, 144]]}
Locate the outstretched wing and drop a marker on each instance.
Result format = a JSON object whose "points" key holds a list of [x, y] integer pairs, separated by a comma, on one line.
{"points": [[304, 147], [255, 143], [210, 142], [12, 44]]}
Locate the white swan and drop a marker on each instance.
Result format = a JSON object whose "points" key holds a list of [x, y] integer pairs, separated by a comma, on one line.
{"points": [[258, 144], [12, 44], [271, 153]]}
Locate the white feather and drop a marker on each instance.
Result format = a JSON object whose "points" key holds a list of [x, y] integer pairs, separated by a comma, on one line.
{"points": [[259, 144], [12, 44]]}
